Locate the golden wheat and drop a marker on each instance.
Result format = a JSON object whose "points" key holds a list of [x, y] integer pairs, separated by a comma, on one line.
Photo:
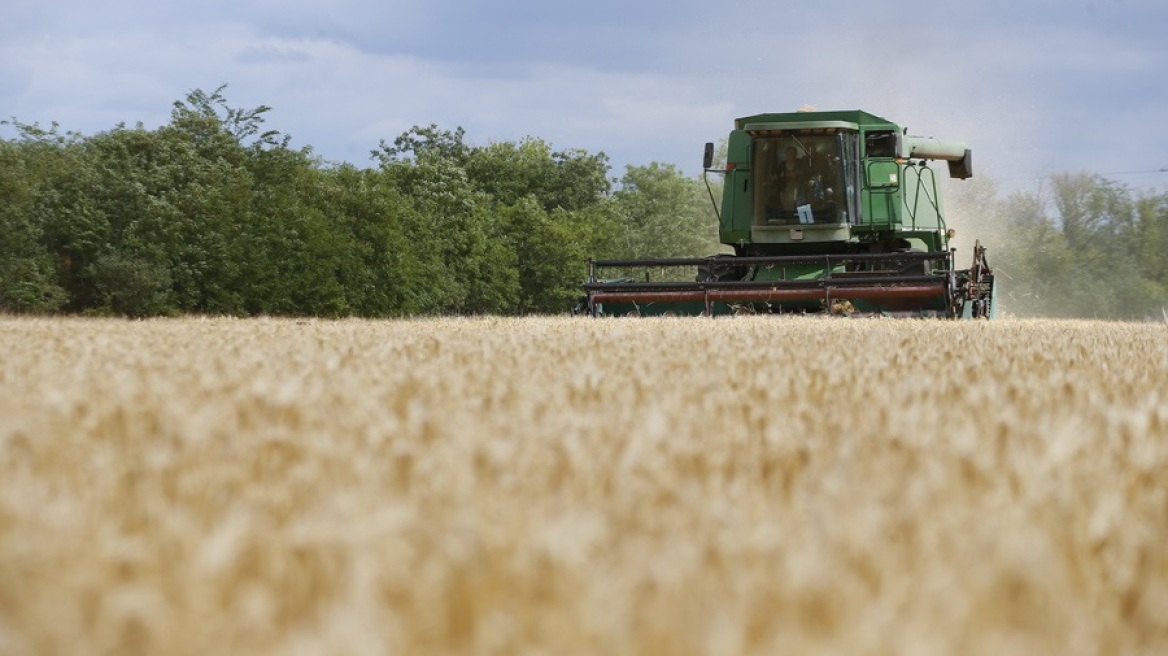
{"points": [[571, 486]]}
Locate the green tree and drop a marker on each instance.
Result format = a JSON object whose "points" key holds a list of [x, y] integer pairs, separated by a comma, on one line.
{"points": [[1152, 237], [460, 227], [132, 287], [418, 141], [28, 281], [56, 206], [392, 272], [1082, 251], [510, 171], [663, 213], [543, 200], [550, 259]]}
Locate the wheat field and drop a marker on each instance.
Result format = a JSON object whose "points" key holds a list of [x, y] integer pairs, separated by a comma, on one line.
{"points": [[578, 486]]}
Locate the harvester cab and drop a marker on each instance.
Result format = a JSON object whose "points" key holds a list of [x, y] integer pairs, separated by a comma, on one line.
{"points": [[827, 212]]}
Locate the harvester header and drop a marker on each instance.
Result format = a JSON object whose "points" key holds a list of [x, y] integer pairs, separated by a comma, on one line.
{"points": [[826, 212]]}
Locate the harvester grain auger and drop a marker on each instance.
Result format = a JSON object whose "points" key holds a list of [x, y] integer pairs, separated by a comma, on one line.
{"points": [[827, 212]]}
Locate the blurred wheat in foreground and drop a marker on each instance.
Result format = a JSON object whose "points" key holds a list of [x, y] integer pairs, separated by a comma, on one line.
{"points": [[571, 486]]}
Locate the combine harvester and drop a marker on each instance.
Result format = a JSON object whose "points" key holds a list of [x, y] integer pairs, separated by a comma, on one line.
{"points": [[828, 212]]}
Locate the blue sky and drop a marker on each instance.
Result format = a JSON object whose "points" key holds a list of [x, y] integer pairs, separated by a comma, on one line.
{"points": [[1034, 86]]}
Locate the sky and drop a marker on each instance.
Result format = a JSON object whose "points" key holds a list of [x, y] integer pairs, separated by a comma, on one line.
{"points": [[1035, 87]]}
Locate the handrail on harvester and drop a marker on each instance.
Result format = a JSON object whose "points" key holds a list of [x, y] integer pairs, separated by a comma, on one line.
{"points": [[817, 283], [829, 261]]}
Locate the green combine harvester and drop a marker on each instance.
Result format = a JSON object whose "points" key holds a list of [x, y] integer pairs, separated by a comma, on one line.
{"points": [[833, 212]]}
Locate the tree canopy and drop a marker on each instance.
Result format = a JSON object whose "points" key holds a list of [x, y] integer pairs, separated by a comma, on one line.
{"points": [[1080, 245], [213, 213]]}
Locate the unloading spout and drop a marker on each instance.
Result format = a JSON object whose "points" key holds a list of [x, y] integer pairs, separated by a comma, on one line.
{"points": [[957, 153]]}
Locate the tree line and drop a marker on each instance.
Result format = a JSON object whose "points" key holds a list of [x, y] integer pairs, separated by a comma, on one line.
{"points": [[212, 213], [1076, 245]]}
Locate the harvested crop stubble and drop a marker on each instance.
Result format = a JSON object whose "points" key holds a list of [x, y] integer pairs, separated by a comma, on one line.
{"points": [[562, 486]]}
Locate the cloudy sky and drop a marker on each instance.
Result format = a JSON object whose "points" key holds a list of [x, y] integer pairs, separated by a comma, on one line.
{"points": [[1034, 86]]}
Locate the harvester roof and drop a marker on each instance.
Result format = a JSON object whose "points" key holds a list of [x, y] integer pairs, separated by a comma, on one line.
{"points": [[861, 118]]}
